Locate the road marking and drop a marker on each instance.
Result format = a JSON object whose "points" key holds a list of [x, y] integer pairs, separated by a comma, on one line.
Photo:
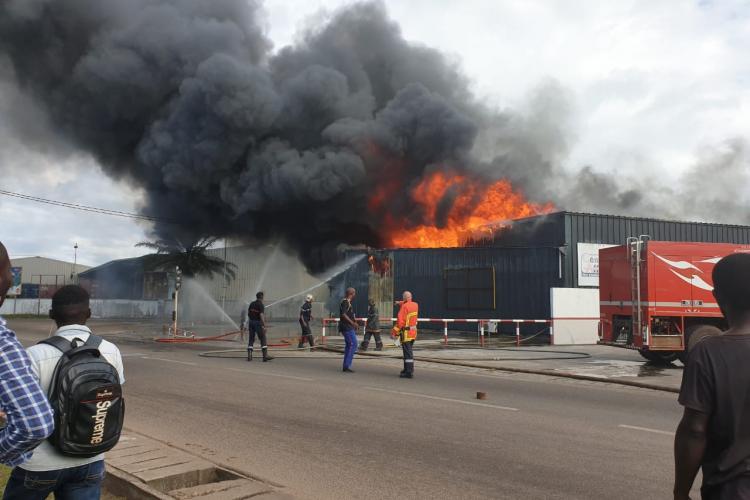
{"points": [[438, 398], [264, 374], [170, 361], [645, 429]]}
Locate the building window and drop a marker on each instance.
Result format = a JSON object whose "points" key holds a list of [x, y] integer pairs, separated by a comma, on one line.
{"points": [[469, 288]]}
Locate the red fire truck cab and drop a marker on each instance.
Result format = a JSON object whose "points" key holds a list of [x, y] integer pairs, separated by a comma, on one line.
{"points": [[654, 294]]}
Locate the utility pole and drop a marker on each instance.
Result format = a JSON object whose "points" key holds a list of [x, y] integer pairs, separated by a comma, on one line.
{"points": [[224, 289], [75, 261], [74, 271], [175, 296]]}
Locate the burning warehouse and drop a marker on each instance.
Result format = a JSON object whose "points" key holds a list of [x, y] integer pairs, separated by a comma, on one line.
{"points": [[352, 135], [510, 273]]}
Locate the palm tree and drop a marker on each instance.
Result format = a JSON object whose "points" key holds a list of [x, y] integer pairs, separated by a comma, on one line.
{"points": [[191, 258]]}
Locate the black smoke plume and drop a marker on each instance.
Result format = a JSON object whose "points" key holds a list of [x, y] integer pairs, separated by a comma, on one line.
{"points": [[185, 99]]}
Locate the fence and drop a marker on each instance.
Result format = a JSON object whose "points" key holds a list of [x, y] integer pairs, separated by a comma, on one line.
{"points": [[481, 323], [100, 308]]}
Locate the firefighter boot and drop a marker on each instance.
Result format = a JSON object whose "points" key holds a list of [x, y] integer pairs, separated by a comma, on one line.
{"points": [[266, 357], [363, 346], [379, 346], [250, 354]]}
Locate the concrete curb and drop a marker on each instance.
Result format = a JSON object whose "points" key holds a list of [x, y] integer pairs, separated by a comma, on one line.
{"points": [[124, 485], [141, 467], [547, 373]]}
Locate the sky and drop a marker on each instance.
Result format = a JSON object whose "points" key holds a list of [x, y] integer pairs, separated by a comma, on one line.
{"points": [[650, 87]]}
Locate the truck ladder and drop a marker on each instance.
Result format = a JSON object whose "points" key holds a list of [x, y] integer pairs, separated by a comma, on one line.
{"points": [[636, 247]]}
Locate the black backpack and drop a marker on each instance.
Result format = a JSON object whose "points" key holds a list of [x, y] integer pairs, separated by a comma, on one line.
{"points": [[86, 397]]}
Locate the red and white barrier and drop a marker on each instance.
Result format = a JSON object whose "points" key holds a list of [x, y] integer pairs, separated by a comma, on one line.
{"points": [[481, 322]]}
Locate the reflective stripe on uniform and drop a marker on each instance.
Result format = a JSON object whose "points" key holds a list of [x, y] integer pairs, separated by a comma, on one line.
{"points": [[408, 361]]}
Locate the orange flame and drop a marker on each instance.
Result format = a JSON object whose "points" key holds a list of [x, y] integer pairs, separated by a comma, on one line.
{"points": [[475, 210]]}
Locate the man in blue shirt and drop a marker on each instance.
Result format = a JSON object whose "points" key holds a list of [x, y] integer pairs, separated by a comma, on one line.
{"points": [[24, 406]]}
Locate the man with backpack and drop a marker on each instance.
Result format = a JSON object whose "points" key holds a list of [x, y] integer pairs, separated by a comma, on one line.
{"points": [[82, 375]]}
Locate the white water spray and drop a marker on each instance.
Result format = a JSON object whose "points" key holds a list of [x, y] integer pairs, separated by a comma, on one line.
{"points": [[198, 305], [264, 272], [335, 271]]}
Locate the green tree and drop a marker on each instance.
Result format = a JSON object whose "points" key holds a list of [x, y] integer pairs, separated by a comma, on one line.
{"points": [[192, 258]]}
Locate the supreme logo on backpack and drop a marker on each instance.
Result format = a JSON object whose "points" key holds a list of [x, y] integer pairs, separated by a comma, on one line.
{"points": [[86, 397]]}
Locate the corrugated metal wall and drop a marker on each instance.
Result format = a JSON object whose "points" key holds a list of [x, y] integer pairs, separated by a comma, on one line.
{"points": [[270, 268], [50, 271], [612, 229], [566, 229], [523, 278]]}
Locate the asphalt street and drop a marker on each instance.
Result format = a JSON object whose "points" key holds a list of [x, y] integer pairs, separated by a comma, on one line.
{"points": [[300, 422]]}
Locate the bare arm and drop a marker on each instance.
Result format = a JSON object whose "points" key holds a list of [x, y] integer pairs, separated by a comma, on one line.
{"points": [[689, 447], [263, 319]]}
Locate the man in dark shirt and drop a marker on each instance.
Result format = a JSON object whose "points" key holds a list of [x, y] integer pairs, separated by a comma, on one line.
{"points": [[372, 327], [348, 328], [305, 317], [256, 325], [715, 429]]}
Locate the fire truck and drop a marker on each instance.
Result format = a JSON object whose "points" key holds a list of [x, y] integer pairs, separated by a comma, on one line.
{"points": [[654, 294]]}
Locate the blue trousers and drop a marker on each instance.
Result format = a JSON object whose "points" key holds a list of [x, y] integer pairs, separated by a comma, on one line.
{"points": [[350, 337], [76, 483]]}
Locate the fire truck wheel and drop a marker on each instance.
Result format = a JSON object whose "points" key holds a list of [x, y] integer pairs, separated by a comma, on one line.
{"points": [[660, 357]]}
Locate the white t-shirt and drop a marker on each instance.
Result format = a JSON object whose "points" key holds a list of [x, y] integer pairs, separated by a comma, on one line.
{"points": [[44, 359]]}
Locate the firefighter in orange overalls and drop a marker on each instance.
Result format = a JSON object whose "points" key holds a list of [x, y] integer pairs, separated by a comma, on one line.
{"points": [[406, 329]]}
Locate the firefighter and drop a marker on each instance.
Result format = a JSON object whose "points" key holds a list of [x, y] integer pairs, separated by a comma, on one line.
{"points": [[406, 329], [372, 328], [256, 325], [305, 317]]}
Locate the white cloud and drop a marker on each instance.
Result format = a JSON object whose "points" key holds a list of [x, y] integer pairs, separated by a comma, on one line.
{"points": [[30, 228]]}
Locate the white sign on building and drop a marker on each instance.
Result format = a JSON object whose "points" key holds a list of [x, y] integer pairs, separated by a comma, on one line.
{"points": [[588, 263]]}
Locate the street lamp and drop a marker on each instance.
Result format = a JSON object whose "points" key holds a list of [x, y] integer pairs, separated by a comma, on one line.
{"points": [[75, 263]]}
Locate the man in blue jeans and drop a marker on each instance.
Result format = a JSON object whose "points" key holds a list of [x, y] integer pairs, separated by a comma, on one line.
{"points": [[348, 328]]}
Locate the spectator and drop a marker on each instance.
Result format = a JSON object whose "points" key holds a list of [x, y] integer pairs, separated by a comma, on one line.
{"points": [[348, 328], [714, 432], [27, 414], [48, 471]]}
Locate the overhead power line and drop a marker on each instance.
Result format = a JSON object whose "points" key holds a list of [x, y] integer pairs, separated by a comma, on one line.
{"points": [[85, 208]]}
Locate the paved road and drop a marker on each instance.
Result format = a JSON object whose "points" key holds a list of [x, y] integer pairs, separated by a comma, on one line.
{"points": [[301, 423]]}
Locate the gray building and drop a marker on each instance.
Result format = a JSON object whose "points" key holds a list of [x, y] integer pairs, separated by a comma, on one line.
{"points": [[41, 276]]}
